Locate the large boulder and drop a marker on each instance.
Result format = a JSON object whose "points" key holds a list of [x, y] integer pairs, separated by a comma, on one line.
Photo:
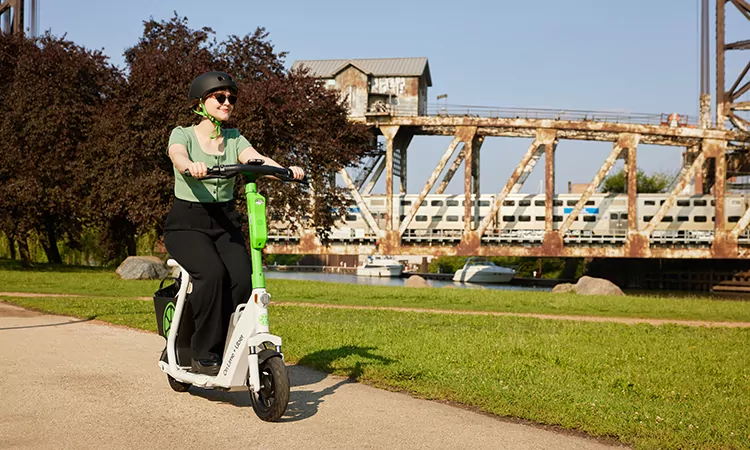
{"points": [[563, 288], [597, 286], [142, 268], [416, 281], [589, 286]]}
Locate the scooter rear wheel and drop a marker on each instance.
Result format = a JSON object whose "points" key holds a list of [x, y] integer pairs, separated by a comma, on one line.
{"points": [[177, 386], [271, 400]]}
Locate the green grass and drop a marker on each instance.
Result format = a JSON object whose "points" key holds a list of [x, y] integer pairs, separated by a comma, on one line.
{"points": [[79, 280], [654, 387], [104, 282]]}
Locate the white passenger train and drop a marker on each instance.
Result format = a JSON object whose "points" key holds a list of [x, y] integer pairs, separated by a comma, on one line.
{"points": [[521, 218]]}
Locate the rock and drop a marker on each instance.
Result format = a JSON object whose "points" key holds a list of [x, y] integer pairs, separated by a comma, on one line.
{"points": [[416, 281], [596, 286], [563, 288], [142, 268]]}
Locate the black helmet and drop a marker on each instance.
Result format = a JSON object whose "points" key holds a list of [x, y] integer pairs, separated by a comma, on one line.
{"points": [[209, 82]]}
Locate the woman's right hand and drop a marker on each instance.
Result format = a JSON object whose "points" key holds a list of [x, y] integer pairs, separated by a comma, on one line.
{"points": [[197, 169]]}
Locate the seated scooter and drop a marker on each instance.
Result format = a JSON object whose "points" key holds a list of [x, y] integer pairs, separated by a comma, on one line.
{"points": [[252, 356]]}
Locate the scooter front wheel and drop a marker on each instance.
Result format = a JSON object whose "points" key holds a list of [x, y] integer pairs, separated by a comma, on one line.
{"points": [[271, 400]]}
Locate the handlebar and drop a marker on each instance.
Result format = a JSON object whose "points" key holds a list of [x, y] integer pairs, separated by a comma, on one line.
{"points": [[255, 166]]}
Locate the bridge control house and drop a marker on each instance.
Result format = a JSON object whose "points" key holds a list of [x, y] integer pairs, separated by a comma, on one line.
{"points": [[384, 86]]}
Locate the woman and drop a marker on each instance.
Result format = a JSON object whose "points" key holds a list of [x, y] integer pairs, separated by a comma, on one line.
{"points": [[203, 231]]}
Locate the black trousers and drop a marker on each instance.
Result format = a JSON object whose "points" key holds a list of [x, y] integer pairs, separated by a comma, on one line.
{"points": [[207, 240]]}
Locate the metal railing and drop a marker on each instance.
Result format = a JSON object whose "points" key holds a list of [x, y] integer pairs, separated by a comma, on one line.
{"points": [[666, 119]]}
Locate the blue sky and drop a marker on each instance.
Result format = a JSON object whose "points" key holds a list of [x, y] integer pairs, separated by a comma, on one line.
{"points": [[636, 56]]}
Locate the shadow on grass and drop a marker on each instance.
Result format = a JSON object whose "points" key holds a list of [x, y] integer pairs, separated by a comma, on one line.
{"points": [[324, 360]]}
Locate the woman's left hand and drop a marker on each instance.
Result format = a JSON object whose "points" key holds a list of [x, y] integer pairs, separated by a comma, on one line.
{"points": [[297, 172]]}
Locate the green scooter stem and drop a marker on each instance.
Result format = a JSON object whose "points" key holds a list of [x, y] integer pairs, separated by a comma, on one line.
{"points": [[256, 216]]}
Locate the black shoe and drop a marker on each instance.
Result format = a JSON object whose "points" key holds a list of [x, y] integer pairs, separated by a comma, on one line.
{"points": [[205, 366]]}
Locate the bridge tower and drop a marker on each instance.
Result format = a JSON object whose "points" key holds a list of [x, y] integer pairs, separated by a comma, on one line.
{"points": [[13, 16]]}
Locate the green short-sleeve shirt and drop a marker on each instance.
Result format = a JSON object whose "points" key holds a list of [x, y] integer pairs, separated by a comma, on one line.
{"points": [[212, 190]]}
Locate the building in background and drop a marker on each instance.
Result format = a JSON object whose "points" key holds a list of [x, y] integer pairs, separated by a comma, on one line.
{"points": [[384, 86]]}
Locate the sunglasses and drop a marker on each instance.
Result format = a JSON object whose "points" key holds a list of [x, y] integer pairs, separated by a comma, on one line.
{"points": [[221, 98]]}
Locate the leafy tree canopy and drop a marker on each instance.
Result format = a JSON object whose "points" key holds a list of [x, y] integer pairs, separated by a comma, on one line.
{"points": [[646, 184]]}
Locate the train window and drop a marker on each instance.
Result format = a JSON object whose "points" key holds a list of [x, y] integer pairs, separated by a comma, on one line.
{"points": [[734, 219], [351, 218], [590, 203], [589, 218], [452, 218], [557, 203], [683, 219], [699, 202], [700, 219], [667, 219], [539, 218], [509, 218], [484, 203], [538, 202], [436, 203], [524, 218], [424, 203], [683, 202], [437, 218], [481, 217], [624, 216], [557, 218], [572, 202], [420, 218], [524, 203], [451, 203], [382, 215], [614, 216], [377, 202], [509, 203], [647, 218], [401, 218], [713, 202], [405, 202], [649, 203], [662, 202], [735, 202]]}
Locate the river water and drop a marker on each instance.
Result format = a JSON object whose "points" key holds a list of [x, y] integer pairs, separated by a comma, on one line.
{"points": [[374, 281], [353, 279]]}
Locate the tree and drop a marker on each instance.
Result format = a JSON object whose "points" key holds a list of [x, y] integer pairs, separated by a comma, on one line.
{"points": [[288, 117], [646, 184], [51, 96], [293, 119], [133, 173]]}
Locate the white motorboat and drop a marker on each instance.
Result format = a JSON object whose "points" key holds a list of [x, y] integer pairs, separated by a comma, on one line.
{"points": [[477, 270], [380, 266]]}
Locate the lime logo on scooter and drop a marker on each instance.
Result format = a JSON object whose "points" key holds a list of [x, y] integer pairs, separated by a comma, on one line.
{"points": [[263, 319], [237, 345], [167, 319]]}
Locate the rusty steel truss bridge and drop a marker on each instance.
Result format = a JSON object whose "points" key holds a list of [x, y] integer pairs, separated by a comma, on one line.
{"points": [[712, 153]]}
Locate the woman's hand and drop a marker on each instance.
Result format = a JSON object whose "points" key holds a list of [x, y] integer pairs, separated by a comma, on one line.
{"points": [[297, 172], [197, 169]]}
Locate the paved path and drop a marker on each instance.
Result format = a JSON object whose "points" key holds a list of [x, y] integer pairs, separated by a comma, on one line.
{"points": [[68, 383]]}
